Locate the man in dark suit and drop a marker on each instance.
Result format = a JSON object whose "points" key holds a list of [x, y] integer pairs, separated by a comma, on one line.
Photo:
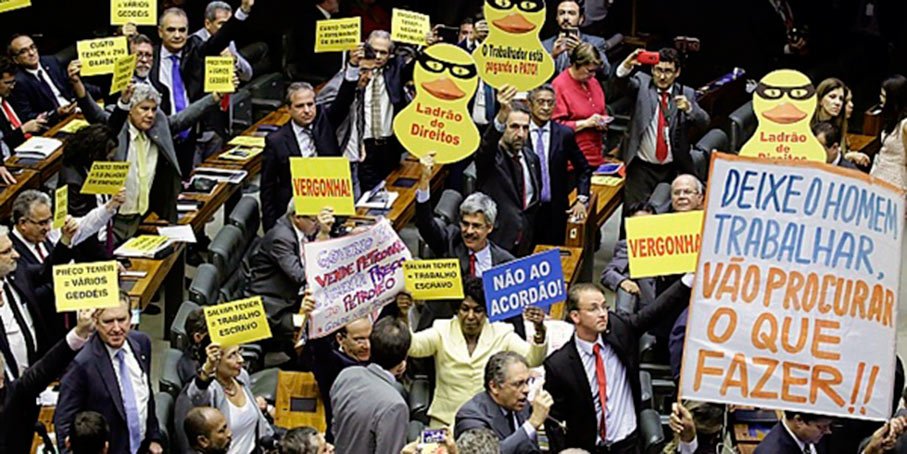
{"points": [[657, 147], [616, 273], [510, 175], [306, 64], [570, 15], [599, 369], [829, 135], [41, 85], [556, 148], [112, 376], [504, 406], [32, 217], [309, 133], [14, 129], [797, 433], [17, 396]]}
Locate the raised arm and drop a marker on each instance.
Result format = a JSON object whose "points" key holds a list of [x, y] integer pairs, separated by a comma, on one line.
{"points": [[668, 305], [432, 230]]}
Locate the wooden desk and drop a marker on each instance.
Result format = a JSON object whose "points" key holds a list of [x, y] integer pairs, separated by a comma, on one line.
{"points": [[278, 118], [857, 142], [25, 179], [604, 200], [168, 273], [571, 261], [404, 208], [50, 165]]}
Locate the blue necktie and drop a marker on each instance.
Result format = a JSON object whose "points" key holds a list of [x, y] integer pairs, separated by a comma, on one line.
{"points": [[132, 412], [179, 91], [546, 179]]}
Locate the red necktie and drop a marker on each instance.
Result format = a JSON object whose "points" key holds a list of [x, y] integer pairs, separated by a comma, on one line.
{"points": [[602, 388], [40, 252], [661, 146], [12, 117], [472, 264]]}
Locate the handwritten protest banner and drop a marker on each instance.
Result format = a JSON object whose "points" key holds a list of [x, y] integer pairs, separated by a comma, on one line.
{"points": [[321, 182], [122, 73], [105, 177], [9, 5], [663, 244], [61, 202], [333, 35], [433, 279], [513, 53], [98, 56], [798, 270], [219, 75], [237, 322], [537, 280], [86, 286], [138, 12], [409, 26], [353, 276]]}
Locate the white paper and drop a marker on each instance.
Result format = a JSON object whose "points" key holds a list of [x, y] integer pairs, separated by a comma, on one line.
{"points": [[38, 147], [182, 233]]}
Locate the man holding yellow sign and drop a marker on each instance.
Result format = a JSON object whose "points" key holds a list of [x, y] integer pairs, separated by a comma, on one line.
{"points": [[41, 85]]}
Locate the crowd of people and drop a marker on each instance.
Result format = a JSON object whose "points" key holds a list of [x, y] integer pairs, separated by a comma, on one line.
{"points": [[509, 386]]}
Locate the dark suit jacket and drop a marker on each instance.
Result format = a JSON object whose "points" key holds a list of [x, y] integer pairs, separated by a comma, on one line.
{"points": [[397, 72], [562, 150], [513, 231], [846, 164], [12, 137], [276, 189], [26, 257], [481, 412], [313, 67], [277, 272], [778, 441], [19, 412], [565, 377], [30, 97], [91, 384]]}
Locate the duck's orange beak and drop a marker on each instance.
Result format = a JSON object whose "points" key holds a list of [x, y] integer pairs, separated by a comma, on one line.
{"points": [[784, 114], [443, 88], [514, 23]]}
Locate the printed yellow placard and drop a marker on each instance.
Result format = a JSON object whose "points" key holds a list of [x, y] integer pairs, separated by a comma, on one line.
{"points": [[86, 286], [98, 56], [321, 182], [9, 5], [74, 126], [248, 141], [106, 177], [219, 75], [143, 243], [409, 27], [513, 53], [433, 279], [122, 73], [237, 322], [438, 120], [333, 35], [663, 244], [784, 102], [61, 202], [138, 12]]}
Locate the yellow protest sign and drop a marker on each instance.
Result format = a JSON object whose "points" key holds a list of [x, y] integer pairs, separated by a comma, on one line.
{"points": [[9, 5], [61, 202], [143, 244], [248, 141], [321, 182], [74, 125], [663, 244], [237, 322], [98, 56], [122, 73], [106, 177], [409, 27], [219, 75], [86, 286], [433, 279], [784, 102], [513, 53], [438, 119], [138, 12], [333, 35]]}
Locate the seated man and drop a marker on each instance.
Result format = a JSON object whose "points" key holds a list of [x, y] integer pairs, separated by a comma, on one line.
{"points": [[41, 86], [504, 407], [796, 433], [829, 135], [197, 332], [570, 15], [617, 272], [14, 128], [208, 431], [90, 434], [462, 345]]}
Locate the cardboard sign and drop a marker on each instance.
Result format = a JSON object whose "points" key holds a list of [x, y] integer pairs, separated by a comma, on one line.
{"points": [[321, 182], [784, 102], [74, 125], [794, 304], [106, 177], [513, 53], [334, 35], [237, 322], [248, 141], [138, 12], [9, 5], [99, 56], [61, 209], [219, 75], [143, 244], [353, 276], [537, 280], [433, 279], [123, 70], [409, 27], [438, 119], [86, 286], [663, 244]]}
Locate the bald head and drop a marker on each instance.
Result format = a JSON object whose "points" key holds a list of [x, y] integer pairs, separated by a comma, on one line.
{"points": [[207, 430], [686, 193]]}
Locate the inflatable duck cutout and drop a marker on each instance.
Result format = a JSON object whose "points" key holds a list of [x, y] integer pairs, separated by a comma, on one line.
{"points": [[784, 102], [438, 118], [513, 53]]}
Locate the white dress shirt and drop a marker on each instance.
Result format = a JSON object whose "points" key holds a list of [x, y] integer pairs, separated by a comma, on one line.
{"points": [[138, 379], [800, 444], [131, 206], [41, 73], [305, 141], [483, 260], [620, 419], [14, 333], [386, 127], [650, 136], [165, 76], [530, 431], [478, 106]]}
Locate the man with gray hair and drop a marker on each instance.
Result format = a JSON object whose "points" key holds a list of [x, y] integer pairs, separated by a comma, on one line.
{"points": [[217, 13], [478, 441]]}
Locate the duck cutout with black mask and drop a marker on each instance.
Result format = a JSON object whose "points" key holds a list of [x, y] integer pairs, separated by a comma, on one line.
{"points": [[512, 53], [438, 120], [783, 102]]}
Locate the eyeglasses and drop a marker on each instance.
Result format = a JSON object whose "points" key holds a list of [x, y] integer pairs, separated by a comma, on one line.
{"points": [[44, 223], [144, 56], [684, 192], [27, 50]]}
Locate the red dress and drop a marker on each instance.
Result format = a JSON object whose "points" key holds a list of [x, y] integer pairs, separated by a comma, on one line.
{"points": [[576, 101]]}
